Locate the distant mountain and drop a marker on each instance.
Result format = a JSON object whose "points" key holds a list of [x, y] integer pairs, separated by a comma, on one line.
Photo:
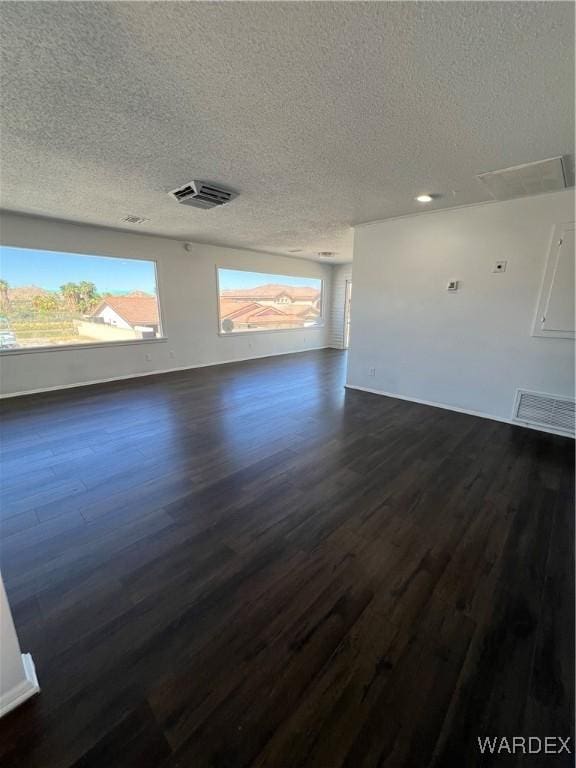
{"points": [[273, 291], [26, 292], [29, 292]]}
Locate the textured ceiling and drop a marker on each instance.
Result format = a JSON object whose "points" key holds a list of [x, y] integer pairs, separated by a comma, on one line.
{"points": [[321, 115]]}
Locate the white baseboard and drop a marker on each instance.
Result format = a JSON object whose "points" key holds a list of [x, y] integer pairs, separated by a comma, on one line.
{"points": [[155, 373], [455, 408], [24, 690]]}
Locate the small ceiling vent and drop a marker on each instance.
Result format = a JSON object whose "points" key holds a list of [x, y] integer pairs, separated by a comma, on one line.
{"points": [[528, 179], [546, 411], [134, 220], [201, 194]]}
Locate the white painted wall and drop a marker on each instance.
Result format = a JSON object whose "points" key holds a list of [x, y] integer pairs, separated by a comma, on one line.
{"points": [[187, 284], [17, 674], [341, 274], [471, 349]]}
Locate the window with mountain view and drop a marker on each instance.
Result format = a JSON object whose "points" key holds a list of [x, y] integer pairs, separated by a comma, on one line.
{"points": [[53, 299], [256, 301]]}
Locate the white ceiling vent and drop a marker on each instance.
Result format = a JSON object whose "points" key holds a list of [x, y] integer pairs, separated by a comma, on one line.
{"points": [[546, 411], [201, 194], [528, 179], [134, 220]]}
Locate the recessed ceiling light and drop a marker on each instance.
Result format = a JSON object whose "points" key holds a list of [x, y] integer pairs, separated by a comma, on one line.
{"points": [[424, 198]]}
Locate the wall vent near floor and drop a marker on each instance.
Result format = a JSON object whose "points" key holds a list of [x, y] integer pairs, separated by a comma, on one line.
{"points": [[546, 411], [528, 179]]}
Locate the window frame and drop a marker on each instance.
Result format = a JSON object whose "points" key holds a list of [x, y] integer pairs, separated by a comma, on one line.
{"points": [[97, 344], [233, 334]]}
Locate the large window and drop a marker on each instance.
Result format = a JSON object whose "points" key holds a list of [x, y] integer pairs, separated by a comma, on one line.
{"points": [[256, 301], [52, 299]]}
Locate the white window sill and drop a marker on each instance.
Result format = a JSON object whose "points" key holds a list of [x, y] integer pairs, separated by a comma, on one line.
{"points": [[277, 330], [71, 347]]}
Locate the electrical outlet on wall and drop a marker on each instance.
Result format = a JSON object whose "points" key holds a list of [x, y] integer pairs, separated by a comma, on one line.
{"points": [[371, 371], [148, 356], [172, 353]]}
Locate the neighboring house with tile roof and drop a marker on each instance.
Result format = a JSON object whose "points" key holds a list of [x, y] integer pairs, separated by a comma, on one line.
{"points": [[137, 312], [252, 315], [231, 309], [275, 294]]}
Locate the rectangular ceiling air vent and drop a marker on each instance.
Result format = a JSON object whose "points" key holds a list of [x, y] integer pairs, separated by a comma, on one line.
{"points": [[201, 194], [546, 411], [528, 179], [134, 220]]}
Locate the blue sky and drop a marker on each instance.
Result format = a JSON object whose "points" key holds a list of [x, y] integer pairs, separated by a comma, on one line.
{"points": [[51, 269], [234, 278]]}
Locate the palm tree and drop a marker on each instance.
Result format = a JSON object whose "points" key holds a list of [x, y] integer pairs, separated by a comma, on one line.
{"points": [[46, 304], [87, 296], [71, 293], [4, 298]]}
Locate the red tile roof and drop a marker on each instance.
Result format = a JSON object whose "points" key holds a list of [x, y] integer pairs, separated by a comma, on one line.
{"points": [[263, 315], [231, 309], [135, 310], [298, 309]]}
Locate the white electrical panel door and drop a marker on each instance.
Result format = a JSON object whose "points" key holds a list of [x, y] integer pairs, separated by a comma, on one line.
{"points": [[555, 315]]}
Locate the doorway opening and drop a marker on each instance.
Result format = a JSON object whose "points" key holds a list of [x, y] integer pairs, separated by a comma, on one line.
{"points": [[347, 303]]}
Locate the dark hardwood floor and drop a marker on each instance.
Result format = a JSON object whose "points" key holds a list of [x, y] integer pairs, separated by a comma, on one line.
{"points": [[248, 565]]}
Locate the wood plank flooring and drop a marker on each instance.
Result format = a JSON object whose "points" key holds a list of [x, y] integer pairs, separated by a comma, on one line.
{"points": [[248, 565]]}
